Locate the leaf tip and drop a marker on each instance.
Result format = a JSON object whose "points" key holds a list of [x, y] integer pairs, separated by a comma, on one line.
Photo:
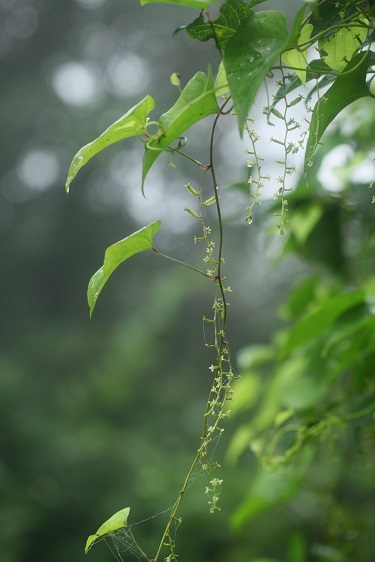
{"points": [[143, 189], [91, 539]]}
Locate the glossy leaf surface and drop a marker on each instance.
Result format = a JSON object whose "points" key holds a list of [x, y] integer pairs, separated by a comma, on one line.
{"points": [[116, 254], [117, 521], [131, 124], [347, 88], [197, 101], [249, 56]]}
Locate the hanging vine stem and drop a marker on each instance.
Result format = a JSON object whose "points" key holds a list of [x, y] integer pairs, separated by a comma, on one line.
{"points": [[220, 391]]}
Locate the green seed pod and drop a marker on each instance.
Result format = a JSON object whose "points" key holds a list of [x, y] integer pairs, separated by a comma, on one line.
{"points": [[277, 113], [191, 190], [192, 213], [210, 201]]}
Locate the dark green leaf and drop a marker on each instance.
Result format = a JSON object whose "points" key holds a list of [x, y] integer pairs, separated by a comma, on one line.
{"points": [[232, 14], [249, 56], [347, 88], [118, 253], [331, 12], [197, 101], [131, 124]]}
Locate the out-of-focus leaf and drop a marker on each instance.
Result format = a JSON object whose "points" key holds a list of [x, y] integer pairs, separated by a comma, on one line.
{"points": [[117, 521], [197, 101], [304, 392], [247, 390], [200, 4], [232, 14], [297, 551], [341, 46], [221, 82], [131, 124], [347, 88], [272, 400], [296, 58], [320, 321], [265, 560], [270, 489], [253, 355], [304, 220], [118, 253], [302, 297], [327, 14]]}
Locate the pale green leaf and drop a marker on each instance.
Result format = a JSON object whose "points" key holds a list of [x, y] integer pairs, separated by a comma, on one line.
{"points": [[200, 4], [118, 253], [197, 101], [175, 79], [131, 124], [296, 58], [247, 389], [221, 82], [347, 88], [117, 521], [304, 221], [340, 47]]}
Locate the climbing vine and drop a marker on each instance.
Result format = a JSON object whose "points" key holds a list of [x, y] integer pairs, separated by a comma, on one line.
{"points": [[324, 62]]}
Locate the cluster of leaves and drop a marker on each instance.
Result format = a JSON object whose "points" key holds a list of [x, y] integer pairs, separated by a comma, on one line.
{"points": [[329, 337], [251, 44], [305, 403]]}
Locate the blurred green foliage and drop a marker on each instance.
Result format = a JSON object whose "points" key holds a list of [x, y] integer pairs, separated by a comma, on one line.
{"points": [[306, 400], [97, 416]]}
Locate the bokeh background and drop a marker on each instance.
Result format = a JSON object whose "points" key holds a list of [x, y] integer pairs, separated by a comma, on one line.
{"points": [[103, 414]]}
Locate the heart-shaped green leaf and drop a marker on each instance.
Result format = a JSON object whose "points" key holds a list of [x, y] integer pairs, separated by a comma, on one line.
{"points": [[117, 521], [118, 253], [296, 58], [251, 53], [131, 124], [249, 56], [347, 88], [341, 46], [197, 101]]}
